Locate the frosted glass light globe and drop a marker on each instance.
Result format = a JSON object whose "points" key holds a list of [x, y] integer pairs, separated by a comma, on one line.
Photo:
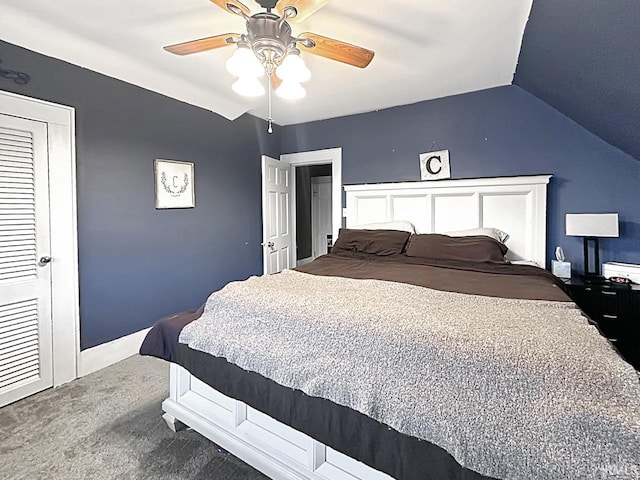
{"points": [[291, 90], [293, 69], [243, 63], [248, 87]]}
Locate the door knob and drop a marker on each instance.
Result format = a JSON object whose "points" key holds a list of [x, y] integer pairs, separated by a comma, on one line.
{"points": [[45, 260]]}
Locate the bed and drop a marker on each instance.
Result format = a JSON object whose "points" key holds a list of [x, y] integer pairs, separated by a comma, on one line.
{"points": [[291, 372]]}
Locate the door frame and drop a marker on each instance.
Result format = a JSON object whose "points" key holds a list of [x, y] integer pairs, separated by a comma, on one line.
{"points": [[60, 120], [317, 157], [314, 212]]}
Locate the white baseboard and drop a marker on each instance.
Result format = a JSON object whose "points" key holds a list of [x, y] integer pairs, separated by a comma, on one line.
{"points": [[101, 356], [304, 261]]}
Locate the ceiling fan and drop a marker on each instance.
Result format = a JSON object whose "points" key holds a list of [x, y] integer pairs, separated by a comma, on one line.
{"points": [[269, 47]]}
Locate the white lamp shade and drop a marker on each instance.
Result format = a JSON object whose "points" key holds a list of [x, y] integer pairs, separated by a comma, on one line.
{"points": [[243, 63], [293, 69], [291, 90], [248, 87], [592, 224]]}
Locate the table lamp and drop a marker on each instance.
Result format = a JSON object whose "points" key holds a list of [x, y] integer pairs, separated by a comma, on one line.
{"points": [[592, 226]]}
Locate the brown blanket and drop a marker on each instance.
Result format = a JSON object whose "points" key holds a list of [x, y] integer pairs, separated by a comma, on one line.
{"points": [[493, 381], [488, 279]]}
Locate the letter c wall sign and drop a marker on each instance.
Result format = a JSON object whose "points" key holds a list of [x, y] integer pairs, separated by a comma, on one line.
{"points": [[435, 165]]}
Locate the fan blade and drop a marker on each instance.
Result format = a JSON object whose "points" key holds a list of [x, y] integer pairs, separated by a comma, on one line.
{"points": [[202, 45], [337, 50], [223, 4], [305, 8]]}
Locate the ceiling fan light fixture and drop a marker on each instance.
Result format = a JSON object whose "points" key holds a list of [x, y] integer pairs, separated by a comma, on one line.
{"points": [[269, 47], [290, 90], [293, 69], [248, 87], [243, 63]]}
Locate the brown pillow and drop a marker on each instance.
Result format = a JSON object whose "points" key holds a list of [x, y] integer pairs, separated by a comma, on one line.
{"points": [[479, 248], [376, 242]]}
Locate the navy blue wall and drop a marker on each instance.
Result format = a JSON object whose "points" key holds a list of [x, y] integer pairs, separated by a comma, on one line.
{"points": [[496, 132], [581, 57], [137, 263]]}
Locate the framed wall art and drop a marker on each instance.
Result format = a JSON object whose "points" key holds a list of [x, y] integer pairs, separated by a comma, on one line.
{"points": [[174, 184], [435, 165]]}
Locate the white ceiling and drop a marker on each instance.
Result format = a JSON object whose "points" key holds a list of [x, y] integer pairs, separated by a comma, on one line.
{"points": [[425, 49]]}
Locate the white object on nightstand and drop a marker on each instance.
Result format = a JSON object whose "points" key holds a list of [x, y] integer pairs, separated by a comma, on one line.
{"points": [[617, 269], [561, 269]]}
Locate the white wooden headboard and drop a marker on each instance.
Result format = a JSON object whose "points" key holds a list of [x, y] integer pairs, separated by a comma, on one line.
{"points": [[516, 205]]}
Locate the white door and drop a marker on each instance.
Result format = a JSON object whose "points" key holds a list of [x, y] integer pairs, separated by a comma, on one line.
{"points": [[321, 224], [26, 365], [276, 215]]}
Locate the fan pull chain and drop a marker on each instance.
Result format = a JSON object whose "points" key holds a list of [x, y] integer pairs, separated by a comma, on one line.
{"points": [[270, 129]]}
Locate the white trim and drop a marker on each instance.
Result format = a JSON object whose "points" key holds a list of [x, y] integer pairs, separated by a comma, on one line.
{"points": [[465, 182], [35, 109], [304, 261], [313, 201], [263, 196], [101, 356], [326, 179], [60, 121], [317, 157]]}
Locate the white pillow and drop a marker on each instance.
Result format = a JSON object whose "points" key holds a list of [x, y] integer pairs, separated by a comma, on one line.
{"points": [[393, 225], [530, 263], [489, 232]]}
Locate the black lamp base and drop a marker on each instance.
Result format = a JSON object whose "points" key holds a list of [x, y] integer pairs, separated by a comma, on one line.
{"points": [[588, 272]]}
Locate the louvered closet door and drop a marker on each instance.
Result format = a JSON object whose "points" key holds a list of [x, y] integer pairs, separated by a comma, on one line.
{"points": [[25, 282]]}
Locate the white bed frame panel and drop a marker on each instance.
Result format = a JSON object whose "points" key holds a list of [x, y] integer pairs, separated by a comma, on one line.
{"points": [[271, 447], [516, 205]]}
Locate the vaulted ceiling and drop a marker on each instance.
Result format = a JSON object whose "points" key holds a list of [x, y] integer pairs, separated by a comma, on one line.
{"points": [[580, 56], [424, 49]]}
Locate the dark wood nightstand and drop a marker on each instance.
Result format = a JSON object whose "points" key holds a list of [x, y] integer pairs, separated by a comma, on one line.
{"points": [[616, 311]]}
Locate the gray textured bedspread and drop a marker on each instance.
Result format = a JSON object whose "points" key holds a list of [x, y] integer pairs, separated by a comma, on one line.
{"points": [[513, 389]]}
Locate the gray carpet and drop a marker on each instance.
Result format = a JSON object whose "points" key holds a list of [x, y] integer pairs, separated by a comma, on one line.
{"points": [[108, 425]]}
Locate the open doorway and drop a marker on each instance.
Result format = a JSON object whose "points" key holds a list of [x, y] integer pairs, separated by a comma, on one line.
{"points": [[331, 157], [314, 227]]}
